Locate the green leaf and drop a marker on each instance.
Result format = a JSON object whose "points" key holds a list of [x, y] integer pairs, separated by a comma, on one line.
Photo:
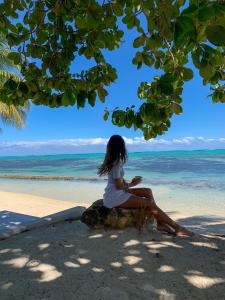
{"points": [[151, 24], [196, 58], [32, 86], [129, 118], [117, 9], [102, 93], [187, 74], [190, 10], [138, 59], [106, 115], [181, 2], [216, 34], [146, 112], [118, 118], [153, 42], [207, 71], [15, 57], [137, 121], [206, 13], [148, 60], [81, 97], [65, 99], [184, 31], [139, 41], [131, 21], [23, 88], [92, 98], [176, 108], [166, 84]]}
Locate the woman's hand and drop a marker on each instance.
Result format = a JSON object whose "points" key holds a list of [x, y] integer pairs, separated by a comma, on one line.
{"points": [[136, 180]]}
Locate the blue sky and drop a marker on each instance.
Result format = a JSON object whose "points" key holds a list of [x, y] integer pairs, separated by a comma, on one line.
{"points": [[200, 118]]}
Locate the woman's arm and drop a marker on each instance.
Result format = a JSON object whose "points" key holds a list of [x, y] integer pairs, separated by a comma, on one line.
{"points": [[124, 185], [121, 184]]}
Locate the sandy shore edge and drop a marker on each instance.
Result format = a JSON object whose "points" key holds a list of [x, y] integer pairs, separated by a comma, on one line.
{"points": [[32, 205]]}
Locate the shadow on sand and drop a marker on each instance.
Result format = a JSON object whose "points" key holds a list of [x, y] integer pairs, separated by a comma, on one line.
{"points": [[68, 261], [9, 220], [212, 224]]}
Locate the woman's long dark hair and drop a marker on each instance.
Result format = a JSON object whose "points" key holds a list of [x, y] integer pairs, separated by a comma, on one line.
{"points": [[115, 152]]}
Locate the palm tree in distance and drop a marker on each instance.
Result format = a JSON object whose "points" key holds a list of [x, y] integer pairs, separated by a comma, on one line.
{"points": [[10, 113]]}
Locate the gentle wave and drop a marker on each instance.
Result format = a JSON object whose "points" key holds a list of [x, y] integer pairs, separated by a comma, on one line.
{"points": [[51, 178], [197, 184]]}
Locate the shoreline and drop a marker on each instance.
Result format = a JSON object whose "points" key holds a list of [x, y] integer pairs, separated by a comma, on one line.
{"points": [[31, 205], [27, 205]]}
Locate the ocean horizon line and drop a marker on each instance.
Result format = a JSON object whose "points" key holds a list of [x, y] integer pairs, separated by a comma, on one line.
{"points": [[102, 153]]}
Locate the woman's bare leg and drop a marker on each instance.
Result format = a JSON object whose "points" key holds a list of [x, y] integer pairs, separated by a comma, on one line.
{"points": [[139, 202], [147, 193]]}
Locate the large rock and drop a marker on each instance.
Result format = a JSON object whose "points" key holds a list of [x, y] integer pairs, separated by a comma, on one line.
{"points": [[99, 216]]}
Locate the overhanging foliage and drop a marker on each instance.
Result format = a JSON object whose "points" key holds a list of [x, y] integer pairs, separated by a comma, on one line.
{"points": [[54, 33]]}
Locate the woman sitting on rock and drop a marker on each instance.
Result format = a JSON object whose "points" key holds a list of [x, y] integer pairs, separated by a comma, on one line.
{"points": [[119, 193]]}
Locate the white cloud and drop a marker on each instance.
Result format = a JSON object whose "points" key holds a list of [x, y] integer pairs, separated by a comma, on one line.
{"points": [[93, 145]]}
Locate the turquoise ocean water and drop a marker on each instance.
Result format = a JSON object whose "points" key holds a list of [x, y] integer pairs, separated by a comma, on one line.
{"points": [[181, 180]]}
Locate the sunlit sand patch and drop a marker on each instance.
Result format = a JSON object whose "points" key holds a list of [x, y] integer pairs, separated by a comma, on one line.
{"points": [[19, 262], [131, 243], [4, 251], [191, 272], [171, 244], [33, 263], [83, 261], [155, 246], [69, 246], [165, 295], [113, 236], [162, 293], [6, 286], [203, 244], [166, 268], [16, 250], [203, 282], [43, 246], [98, 270], [139, 270], [153, 251], [165, 244], [70, 264], [116, 264], [96, 236], [132, 260], [49, 272]]}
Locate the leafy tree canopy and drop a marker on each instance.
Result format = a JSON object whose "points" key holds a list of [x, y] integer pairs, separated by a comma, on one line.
{"points": [[9, 113], [52, 34]]}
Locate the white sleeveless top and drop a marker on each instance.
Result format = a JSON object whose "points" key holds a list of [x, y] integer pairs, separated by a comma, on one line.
{"points": [[112, 196]]}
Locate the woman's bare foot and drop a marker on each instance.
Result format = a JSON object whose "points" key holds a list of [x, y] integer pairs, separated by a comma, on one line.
{"points": [[165, 228], [181, 231]]}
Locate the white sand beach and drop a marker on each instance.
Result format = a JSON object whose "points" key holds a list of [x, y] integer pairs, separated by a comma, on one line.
{"points": [[69, 261], [32, 205]]}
